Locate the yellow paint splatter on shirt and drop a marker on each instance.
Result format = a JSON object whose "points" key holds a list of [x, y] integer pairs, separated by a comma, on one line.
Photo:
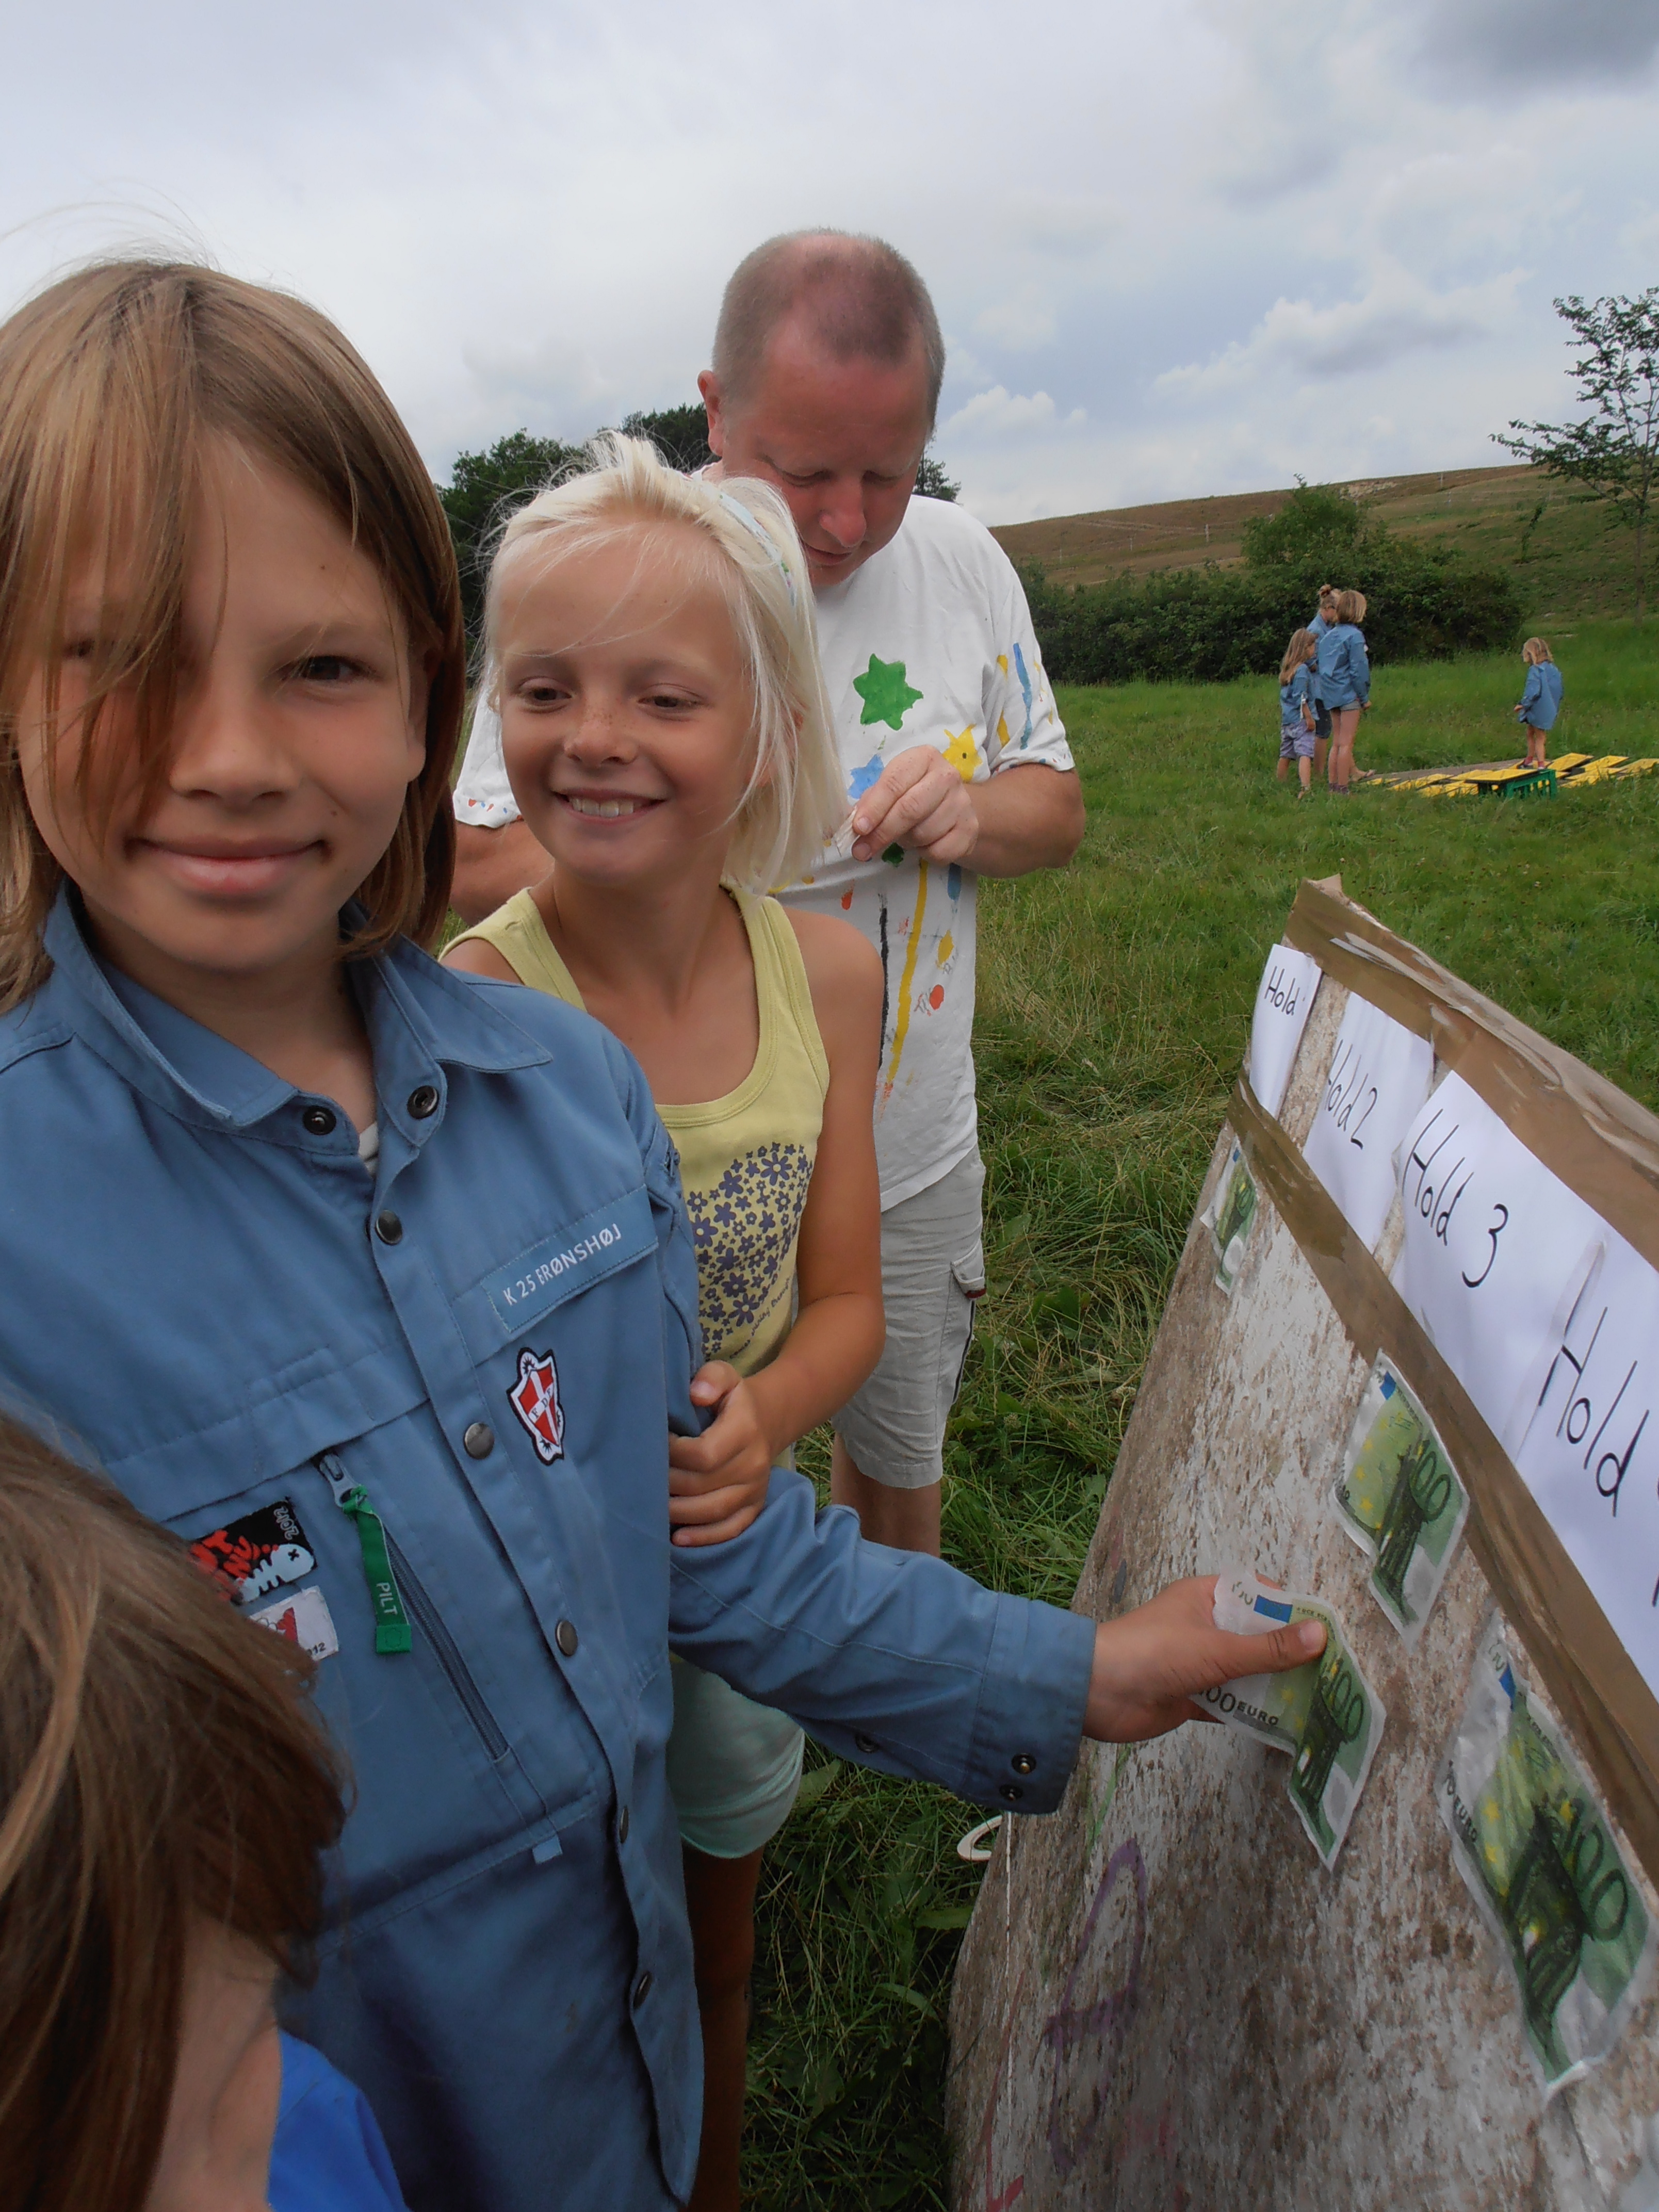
{"points": [[961, 752], [1002, 662], [947, 946], [1002, 732]]}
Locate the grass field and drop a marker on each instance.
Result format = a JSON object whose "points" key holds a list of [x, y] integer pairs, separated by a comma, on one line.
{"points": [[1114, 1006], [1564, 559]]}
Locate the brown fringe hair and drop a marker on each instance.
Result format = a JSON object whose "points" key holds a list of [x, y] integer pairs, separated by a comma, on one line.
{"points": [[112, 382], [159, 1761]]}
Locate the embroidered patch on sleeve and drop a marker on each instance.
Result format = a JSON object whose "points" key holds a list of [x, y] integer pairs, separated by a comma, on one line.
{"points": [[535, 1398], [304, 1619], [250, 1558]]}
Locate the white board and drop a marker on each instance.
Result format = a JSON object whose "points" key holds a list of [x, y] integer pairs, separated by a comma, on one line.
{"points": [[1496, 1250], [1375, 1087], [1283, 999], [1591, 1455]]}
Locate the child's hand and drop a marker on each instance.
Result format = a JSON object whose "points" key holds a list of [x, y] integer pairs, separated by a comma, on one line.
{"points": [[717, 1481], [1151, 1663]]}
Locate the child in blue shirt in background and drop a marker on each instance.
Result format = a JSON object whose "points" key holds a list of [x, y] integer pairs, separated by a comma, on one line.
{"points": [[166, 1796], [1297, 728], [1540, 701]]}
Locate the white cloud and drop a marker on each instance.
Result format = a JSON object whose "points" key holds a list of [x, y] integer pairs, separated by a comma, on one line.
{"points": [[525, 213], [1000, 413], [1019, 323], [1396, 317]]}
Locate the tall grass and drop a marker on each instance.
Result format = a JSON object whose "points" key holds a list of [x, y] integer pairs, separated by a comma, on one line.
{"points": [[1113, 1006]]}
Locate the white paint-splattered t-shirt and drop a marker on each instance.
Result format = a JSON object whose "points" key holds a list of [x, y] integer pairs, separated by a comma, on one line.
{"points": [[929, 643]]}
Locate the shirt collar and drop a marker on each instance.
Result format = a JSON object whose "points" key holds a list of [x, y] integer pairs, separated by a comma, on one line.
{"points": [[420, 1017]]}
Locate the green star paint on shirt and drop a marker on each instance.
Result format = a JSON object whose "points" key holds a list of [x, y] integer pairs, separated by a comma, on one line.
{"points": [[887, 697]]}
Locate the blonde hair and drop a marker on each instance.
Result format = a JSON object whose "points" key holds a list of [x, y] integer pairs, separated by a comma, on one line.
{"points": [[113, 383], [1327, 595], [1302, 648], [794, 801], [1351, 606], [1535, 650]]}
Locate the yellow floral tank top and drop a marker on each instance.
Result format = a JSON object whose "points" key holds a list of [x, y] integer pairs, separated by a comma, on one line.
{"points": [[745, 1159]]}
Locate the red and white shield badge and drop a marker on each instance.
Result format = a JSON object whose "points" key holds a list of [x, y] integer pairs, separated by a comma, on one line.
{"points": [[535, 1398]]}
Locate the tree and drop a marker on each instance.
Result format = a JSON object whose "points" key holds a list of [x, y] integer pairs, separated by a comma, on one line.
{"points": [[932, 482], [680, 435], [1317, 522], [483, 490], [1614, 450]]}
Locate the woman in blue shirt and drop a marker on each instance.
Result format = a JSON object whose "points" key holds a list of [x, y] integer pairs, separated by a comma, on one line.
{"points": [[1324, 618], [1541, 700], [1345, 683], [374, 1281]]}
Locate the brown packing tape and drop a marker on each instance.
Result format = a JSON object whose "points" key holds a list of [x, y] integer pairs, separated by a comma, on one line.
{"points": [[1580, 1660], [1599, 1142]]}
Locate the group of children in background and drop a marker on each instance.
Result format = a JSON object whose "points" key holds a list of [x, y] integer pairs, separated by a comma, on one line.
{"points": [[1325, 685]]}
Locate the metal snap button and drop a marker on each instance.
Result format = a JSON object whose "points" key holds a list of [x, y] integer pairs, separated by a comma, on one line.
{"points": [[423, 1100], [388, 1228], [480, 1440], [1012, 1792], [1022, 1763], [866, 1743], [566, 1638], [318, 1120], [641, 1989]]}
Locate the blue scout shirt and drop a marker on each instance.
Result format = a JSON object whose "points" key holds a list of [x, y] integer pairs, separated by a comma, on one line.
{"points": [[1345, 672], [1541, 700], [1293, 696], [328, 2154], [490, 1337], [1317, 628]]}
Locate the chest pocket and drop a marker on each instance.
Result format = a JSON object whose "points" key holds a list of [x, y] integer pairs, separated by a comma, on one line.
{"points": [[425, 1651]]}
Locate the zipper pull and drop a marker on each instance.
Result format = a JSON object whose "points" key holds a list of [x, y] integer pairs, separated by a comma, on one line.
{"points": [[392, 1630]]}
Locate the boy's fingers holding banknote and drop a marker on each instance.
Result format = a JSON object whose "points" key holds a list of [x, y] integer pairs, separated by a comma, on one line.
{"points": [[1151, 1663]]}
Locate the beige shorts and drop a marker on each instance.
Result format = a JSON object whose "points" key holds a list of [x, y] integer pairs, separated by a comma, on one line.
{"points": [[932, 1275]]}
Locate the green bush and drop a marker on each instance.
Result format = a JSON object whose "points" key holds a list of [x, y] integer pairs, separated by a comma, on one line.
{"points": [[1204, 625]]}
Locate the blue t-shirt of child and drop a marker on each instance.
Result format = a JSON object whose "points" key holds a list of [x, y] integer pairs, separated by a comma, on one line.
{"points": [[328, 2154]]}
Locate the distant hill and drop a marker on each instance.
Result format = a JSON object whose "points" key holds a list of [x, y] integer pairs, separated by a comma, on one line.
{"points": [[1568, 562]]}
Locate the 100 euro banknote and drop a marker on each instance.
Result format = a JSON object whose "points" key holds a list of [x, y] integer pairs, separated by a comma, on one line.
{"points": [[1398, 1496], [1540, 1860], [1230, 1216], [1325, 1714]]}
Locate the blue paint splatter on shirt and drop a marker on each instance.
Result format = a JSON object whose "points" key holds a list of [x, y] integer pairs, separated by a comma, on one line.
{"points": [[1026, 687], [862, 778]]}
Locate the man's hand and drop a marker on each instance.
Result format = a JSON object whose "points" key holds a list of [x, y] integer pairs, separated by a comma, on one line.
{"points": [[1150, 1664], [920, 802], [717, 1482]]}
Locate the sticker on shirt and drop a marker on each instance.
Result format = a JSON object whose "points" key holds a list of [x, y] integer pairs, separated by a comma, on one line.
{"points": [[304, 1619], [251, 1558], [535, 1398]]}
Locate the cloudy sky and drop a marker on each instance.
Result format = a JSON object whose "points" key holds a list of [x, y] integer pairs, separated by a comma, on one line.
{"points": [[1179, 246]]}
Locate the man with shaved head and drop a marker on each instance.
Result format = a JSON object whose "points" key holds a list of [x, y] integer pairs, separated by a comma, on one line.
{"points": [[827, 366]]}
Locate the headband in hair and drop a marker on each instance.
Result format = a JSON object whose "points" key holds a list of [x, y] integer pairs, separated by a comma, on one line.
{"points": [[765, 537]]}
